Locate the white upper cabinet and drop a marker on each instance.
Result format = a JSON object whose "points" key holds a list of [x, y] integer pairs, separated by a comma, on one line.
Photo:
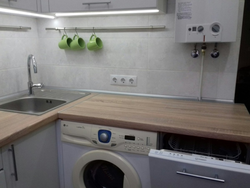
{"points": [[104, 5], [44, 6], [29, 5], [4, 3]]}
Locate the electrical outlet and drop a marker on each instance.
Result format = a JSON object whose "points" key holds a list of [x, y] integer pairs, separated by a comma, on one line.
{"points": [[123, 80]]}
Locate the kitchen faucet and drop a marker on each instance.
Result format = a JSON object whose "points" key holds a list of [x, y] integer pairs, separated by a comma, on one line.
{"points": [[31, 59]]}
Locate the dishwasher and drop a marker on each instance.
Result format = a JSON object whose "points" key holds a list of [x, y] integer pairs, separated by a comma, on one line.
{"points": [[195, 162]]}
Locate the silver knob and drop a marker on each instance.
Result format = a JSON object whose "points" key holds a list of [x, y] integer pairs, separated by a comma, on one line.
{"points": [[200, 29], [103, 137]]}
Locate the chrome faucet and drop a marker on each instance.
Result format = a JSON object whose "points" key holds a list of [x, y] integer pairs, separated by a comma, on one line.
{"points": [[31, 59]]}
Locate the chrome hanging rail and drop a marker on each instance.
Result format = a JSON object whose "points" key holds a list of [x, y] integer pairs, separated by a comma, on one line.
{"points": [[14, 27], [109, 28]]}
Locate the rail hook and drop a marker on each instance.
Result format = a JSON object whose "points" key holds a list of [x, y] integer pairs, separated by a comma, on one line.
{"points": [[64, 31], [76, 30], [94, 30]]}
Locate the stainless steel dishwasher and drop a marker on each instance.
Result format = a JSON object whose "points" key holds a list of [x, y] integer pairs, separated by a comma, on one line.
{"points": [[194, 162]]}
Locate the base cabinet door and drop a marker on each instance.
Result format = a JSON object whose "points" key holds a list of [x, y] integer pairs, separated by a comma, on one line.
{"points": [[2, 179], [31, 162]]}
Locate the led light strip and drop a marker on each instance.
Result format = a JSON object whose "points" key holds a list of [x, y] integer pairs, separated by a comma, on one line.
{"points": [[107, 12], [19, 12]]}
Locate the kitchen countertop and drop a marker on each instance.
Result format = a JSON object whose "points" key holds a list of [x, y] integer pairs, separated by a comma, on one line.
{"points": [[199, 118], [225, 121]]}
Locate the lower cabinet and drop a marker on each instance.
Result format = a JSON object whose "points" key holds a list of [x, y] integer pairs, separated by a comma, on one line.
{"points": [[2, 179], [2, 175], [31, 162]]}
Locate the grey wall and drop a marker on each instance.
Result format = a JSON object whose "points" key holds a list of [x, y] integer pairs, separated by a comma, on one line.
{"points": [[163, 67], [14, 49]]}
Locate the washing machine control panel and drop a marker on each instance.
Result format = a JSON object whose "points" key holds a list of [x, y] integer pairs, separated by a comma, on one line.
{"points": [[111, 138]]}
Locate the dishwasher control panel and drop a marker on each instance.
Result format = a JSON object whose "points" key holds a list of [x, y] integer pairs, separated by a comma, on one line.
{"points": [[112, 138]]}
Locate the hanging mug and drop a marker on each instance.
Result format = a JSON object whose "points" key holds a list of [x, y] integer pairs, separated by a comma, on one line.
{"points": [[77, 43], [65, 42], [95, 43]]}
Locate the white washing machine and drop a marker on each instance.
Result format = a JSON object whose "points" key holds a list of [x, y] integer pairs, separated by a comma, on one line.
{"points": [[96, 156]]}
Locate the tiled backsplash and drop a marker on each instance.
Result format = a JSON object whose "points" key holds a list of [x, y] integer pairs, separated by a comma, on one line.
{"points": [[14, 49], [163, 67]]}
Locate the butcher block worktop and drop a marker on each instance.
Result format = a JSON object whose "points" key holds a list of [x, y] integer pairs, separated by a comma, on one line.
{"points": [[207, 119]]}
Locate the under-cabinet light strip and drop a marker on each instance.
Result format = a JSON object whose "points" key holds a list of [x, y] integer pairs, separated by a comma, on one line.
{"points": [[110, 28], [19, 12], [107, 12]]}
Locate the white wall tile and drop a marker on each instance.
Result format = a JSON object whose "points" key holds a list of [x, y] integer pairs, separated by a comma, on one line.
{"points": [[65, 76], [162, 66], [226, 86], [165, 54], [121, 53], [173, 83], [15, 46], [210, 85]]}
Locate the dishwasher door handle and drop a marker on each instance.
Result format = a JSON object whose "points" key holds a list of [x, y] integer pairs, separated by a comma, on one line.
{"points": [[185, 173]]}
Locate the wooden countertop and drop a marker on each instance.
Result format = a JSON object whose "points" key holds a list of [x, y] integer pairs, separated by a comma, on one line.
{"points": [[206, 119]]}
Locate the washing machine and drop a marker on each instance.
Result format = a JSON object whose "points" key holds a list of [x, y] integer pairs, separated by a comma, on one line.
{"points": [[96, 156]]}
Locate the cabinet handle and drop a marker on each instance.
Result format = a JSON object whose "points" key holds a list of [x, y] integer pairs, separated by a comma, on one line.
{"points": [[13, 0], [14, 162], [95, 3], [201, 177]]}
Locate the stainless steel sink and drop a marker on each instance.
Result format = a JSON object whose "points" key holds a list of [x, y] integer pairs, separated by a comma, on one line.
{"points": [[41, 102], [32, 105]]}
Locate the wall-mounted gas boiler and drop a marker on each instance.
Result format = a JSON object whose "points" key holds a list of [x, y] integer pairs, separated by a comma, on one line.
{"points": [[198, 21]]}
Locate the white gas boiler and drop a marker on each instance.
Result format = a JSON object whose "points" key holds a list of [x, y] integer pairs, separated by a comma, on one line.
{"points": [[198, 21]]}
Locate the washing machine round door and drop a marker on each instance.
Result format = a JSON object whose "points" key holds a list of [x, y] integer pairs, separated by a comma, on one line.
{"points": [[101, 168]]}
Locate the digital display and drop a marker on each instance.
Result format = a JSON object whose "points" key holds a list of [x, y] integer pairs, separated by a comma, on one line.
{"points": [[129, 137]]}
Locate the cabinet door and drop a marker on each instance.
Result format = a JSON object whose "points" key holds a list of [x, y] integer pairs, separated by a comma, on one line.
{"points": [[35, 157], [1, 164], [78, 5], [30, 5], [2, 179], [4, 3], [44, 6]]}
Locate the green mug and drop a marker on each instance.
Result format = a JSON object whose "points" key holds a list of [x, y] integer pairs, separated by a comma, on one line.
{"points": [[77, 43], [95, 43], [65, 42]]}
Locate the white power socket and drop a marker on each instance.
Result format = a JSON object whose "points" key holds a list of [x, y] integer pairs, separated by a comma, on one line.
{"points": [[123, 80]]}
